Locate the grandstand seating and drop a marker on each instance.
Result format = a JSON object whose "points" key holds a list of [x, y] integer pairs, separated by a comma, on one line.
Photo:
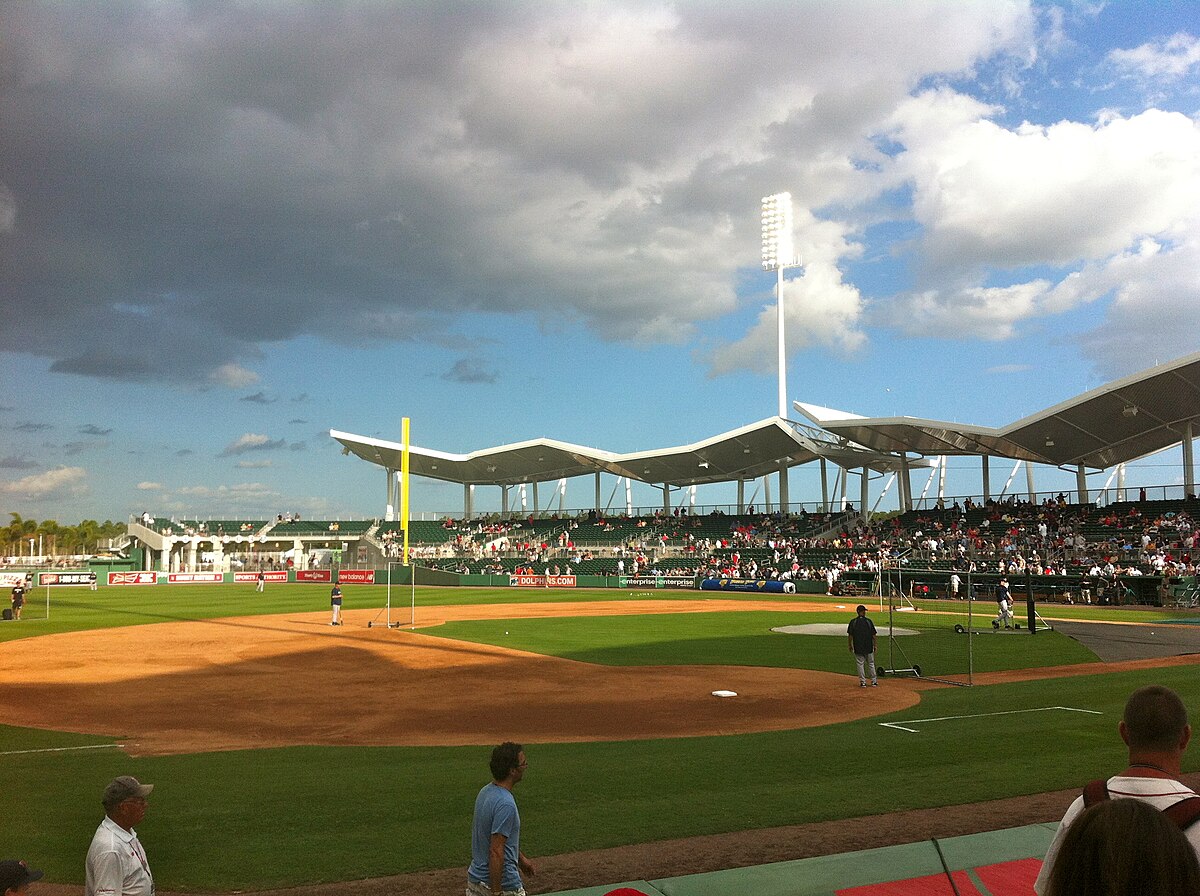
{"points": [[317, 528]]}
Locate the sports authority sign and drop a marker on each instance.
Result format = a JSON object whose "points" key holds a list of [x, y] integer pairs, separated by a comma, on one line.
{"points": [[9, 579], [133, 578], [66, 578], [541, 581], [356, 577], [277, 575]]}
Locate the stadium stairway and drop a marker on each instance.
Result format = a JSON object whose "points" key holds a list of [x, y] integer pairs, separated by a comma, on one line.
{"points": [[995, 863]]}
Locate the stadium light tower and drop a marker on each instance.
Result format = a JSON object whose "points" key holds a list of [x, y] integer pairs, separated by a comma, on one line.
{"points": [[778, 254]]}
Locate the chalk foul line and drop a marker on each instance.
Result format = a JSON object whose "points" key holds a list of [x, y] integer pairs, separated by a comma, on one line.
{"points": [[983, 715], [63, 749]]}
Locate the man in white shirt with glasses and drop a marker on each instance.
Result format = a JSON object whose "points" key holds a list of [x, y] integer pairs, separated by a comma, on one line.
{"points": [[116, 862]]}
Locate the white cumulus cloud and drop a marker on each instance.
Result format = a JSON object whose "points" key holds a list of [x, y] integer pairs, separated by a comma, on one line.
{"points": [[61, 482]]}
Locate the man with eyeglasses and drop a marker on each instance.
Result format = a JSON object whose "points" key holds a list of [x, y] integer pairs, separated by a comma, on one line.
{"points": [[116, 862], [497, 862]]}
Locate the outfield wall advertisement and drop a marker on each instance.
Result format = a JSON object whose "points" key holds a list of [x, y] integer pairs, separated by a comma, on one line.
{"points": [[277, 575], [356, 577], [541, 581], [194, 578], [314, 575], [66, 578], [774, 586], [133, 578], [656, 582]]}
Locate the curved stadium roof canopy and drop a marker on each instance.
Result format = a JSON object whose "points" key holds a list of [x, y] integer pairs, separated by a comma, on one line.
{"points": [[1116, 423]]}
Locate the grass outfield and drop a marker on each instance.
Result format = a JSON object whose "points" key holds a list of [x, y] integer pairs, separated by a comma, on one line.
{"points": [[280, 817], [746, 639], [77, 609]]}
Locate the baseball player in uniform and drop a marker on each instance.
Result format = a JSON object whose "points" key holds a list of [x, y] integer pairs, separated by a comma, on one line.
{"points": [[1003, 605], [335, 601]]}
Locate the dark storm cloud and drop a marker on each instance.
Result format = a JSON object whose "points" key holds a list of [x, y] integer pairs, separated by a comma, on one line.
{"points": [[252, 442], [180, 184], [13, 462], [259, 398], [466, 370], [33, 427], [92, 429]]}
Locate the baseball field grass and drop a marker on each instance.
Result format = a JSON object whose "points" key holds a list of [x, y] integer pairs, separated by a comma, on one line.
{"points": [[243, 820]]}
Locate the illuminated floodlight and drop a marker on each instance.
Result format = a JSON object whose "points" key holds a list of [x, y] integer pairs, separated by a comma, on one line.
{"points": [[779, 253], [778, 244]]}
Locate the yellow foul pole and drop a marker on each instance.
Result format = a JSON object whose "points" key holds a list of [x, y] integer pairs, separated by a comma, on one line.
{"points": [[404, 487]]}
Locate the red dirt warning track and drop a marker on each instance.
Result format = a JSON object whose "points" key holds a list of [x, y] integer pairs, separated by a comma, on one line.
{"points": [[184, 687]]}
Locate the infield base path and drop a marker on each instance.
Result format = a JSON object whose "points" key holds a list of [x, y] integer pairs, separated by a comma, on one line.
{"points": [[262, 681]]}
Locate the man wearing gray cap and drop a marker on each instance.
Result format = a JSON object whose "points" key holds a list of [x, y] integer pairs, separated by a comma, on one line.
{"points": [[116, 862]]}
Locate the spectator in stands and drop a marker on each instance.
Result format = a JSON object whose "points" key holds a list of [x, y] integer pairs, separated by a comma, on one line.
{"points": [[15, 878], [1124, 848], [1154, 726]]}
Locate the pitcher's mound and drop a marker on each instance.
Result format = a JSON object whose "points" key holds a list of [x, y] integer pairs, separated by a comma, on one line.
{"points": [[828, 628]]}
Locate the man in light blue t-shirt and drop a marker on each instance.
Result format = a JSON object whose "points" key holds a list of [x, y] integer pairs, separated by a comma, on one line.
{"points": [[496, 858]]}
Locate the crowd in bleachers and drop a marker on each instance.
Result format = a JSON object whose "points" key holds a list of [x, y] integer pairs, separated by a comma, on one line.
{"points": [[1096, 547]]}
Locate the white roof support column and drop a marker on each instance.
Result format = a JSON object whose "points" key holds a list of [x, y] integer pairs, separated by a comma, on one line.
{"points": [[1029, 489], [783, 487], [1081, 483], [824, 486], [628, 497], [905, 484], [1189, 467], [666, 499], [741, 497], [537, 508], [692, 499], [767, 494], [389, 513], [845, 486], [941, 498], [562, 494], [468, 500], [864, 486], [504, 500], [1120, 482]]}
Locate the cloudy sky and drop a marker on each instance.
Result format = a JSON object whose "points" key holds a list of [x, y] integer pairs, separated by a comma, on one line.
{"points": [[226, 228]]}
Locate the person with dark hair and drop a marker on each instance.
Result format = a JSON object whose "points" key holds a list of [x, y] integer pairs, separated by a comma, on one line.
{"points": [[1124, 848], [116, 862], [863, 637], [15, 878], [497, 862], [1154, 726]]}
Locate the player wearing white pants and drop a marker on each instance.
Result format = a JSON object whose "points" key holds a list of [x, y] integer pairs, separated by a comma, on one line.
{"points": [[1004, 616], [862, 638], [335, 602], [1004, 603]]}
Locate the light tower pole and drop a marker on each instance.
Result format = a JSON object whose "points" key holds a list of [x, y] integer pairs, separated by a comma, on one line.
{"points": [[778, 254]]}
